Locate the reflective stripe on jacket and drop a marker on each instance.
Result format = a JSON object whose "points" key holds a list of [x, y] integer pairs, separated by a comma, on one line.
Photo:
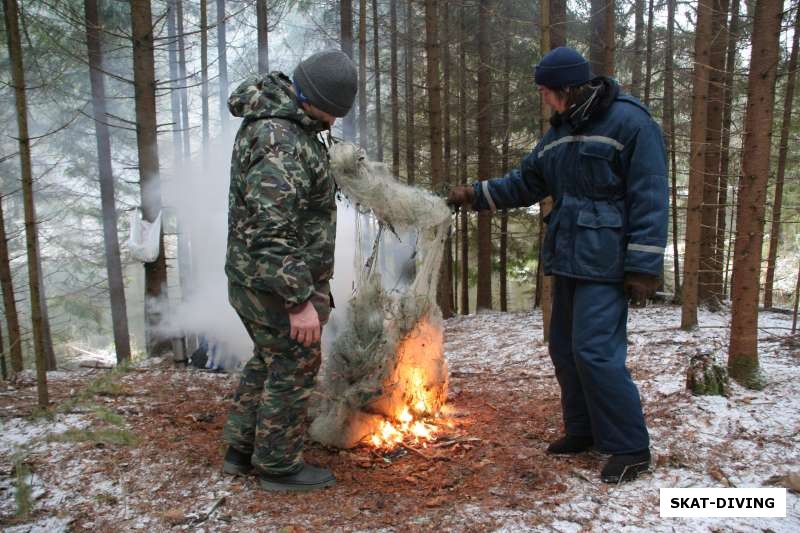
{"points": [[608, 180]]}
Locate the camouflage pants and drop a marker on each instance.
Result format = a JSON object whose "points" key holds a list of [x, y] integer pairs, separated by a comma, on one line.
{"points": [[268, 415]]}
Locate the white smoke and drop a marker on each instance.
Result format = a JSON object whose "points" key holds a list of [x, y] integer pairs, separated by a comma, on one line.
{"points": [[198, 195]]}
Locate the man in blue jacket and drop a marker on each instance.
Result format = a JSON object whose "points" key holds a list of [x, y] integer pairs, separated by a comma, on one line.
{"points": [[604, 164]]}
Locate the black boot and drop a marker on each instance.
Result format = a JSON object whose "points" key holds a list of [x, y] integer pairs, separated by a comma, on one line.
{"points": [[306, 478], [236, 463], [571, 444], [625, 467]]}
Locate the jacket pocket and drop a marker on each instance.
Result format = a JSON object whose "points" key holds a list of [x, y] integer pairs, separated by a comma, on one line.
{"points": [[549, 242], [600, 178], [598, 242]]}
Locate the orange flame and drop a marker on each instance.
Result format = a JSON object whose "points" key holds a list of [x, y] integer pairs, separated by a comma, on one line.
{"points": [[419, 390], [408, 429]]}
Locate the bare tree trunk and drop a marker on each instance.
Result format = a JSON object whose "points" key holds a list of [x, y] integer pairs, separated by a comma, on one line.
{"points": [[116, 286], [432, 53], [47, 339], [376, 50], [346, 36], [174, 93], [448, 149], [796, 301], [394, 88], [3, 368], [601, 44], [409, 94], [554, 15], [506, 124], [669, 128], [184, 255], [262, 35], [462, 154], [222, 66], [456, 271], [730, 69], [362, 73], [204, 71], [557, 24], [691, 261], [648, 61], [9, 300], [187, 148], [743, 349], [31, 233], [638, 49], [484, 120], [727, 281], [444, 46], [147, 145], [775, 226], [708, 231], [543, 293]]}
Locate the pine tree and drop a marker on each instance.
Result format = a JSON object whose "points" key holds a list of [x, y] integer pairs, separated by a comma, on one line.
{"points": [[691, 261], [11, 13], [783, 149], [149, 181], [262, 35], [119, 314], [743, 348], [484, 120]]}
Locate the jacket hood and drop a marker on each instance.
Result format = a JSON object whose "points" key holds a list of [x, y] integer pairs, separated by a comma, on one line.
{"points": [[596, 104], [270, 96]]}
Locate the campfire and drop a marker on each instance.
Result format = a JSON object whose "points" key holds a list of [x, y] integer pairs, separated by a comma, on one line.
{"points": [[383, 381], [418, 395], [407, 428]]}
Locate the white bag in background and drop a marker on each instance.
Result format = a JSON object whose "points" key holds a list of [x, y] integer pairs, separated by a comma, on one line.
{"points": [[143, 241]]}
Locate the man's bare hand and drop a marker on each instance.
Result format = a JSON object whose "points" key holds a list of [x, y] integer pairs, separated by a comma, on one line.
{"points": [[304, 324], [461, 196]]}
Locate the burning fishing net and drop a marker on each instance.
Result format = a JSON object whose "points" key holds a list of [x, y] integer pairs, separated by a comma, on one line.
{"points": [[384, 375]]}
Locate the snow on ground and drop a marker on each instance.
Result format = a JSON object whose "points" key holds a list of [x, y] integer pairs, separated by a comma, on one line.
{"points": [[23, 434], [739, 441], [706, 441]]}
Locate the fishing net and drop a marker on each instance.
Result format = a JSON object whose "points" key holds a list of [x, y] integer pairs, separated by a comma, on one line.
{"points": [[386, 354]]}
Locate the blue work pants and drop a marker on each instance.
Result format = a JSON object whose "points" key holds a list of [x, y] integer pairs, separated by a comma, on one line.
{"points": [[588, 347]]}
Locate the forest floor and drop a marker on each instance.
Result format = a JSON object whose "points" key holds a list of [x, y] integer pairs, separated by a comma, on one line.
{"points": [[141, 449]]}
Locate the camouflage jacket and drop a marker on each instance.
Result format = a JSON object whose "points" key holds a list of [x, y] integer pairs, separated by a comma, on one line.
{"points": [[282, 208]]}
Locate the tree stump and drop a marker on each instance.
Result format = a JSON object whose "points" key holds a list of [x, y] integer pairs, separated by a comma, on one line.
{"points": [[706, 377]]}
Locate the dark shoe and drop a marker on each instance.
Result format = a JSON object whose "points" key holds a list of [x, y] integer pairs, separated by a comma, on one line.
{"points": [[570, 444], [307, 478], [236, 463], [625, 467]]}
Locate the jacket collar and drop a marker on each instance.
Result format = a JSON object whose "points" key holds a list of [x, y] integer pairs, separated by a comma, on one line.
{"points": [[604, 92]]}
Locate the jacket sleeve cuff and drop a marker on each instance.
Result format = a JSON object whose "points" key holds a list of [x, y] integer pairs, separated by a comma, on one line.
{"points": [[483, 198], [292, 281], [645, 258], [297, 297]]}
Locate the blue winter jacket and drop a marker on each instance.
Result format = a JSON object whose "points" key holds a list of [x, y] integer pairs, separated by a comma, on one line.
{"points": [[605, 167]]}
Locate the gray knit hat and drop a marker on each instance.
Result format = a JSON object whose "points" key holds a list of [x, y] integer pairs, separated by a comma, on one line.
{"points": [[329, 81]]}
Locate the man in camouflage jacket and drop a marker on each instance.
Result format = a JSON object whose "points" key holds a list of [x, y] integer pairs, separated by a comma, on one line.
{"points": [[281, 232]]}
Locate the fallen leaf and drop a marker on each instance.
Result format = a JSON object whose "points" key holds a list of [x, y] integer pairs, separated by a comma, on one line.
{"points": [[436, 501], [716, 472], [790, 481], [173, 517]]}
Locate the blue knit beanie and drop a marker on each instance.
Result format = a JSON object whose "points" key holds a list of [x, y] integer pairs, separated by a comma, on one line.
{"points": [[562, 67]]}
